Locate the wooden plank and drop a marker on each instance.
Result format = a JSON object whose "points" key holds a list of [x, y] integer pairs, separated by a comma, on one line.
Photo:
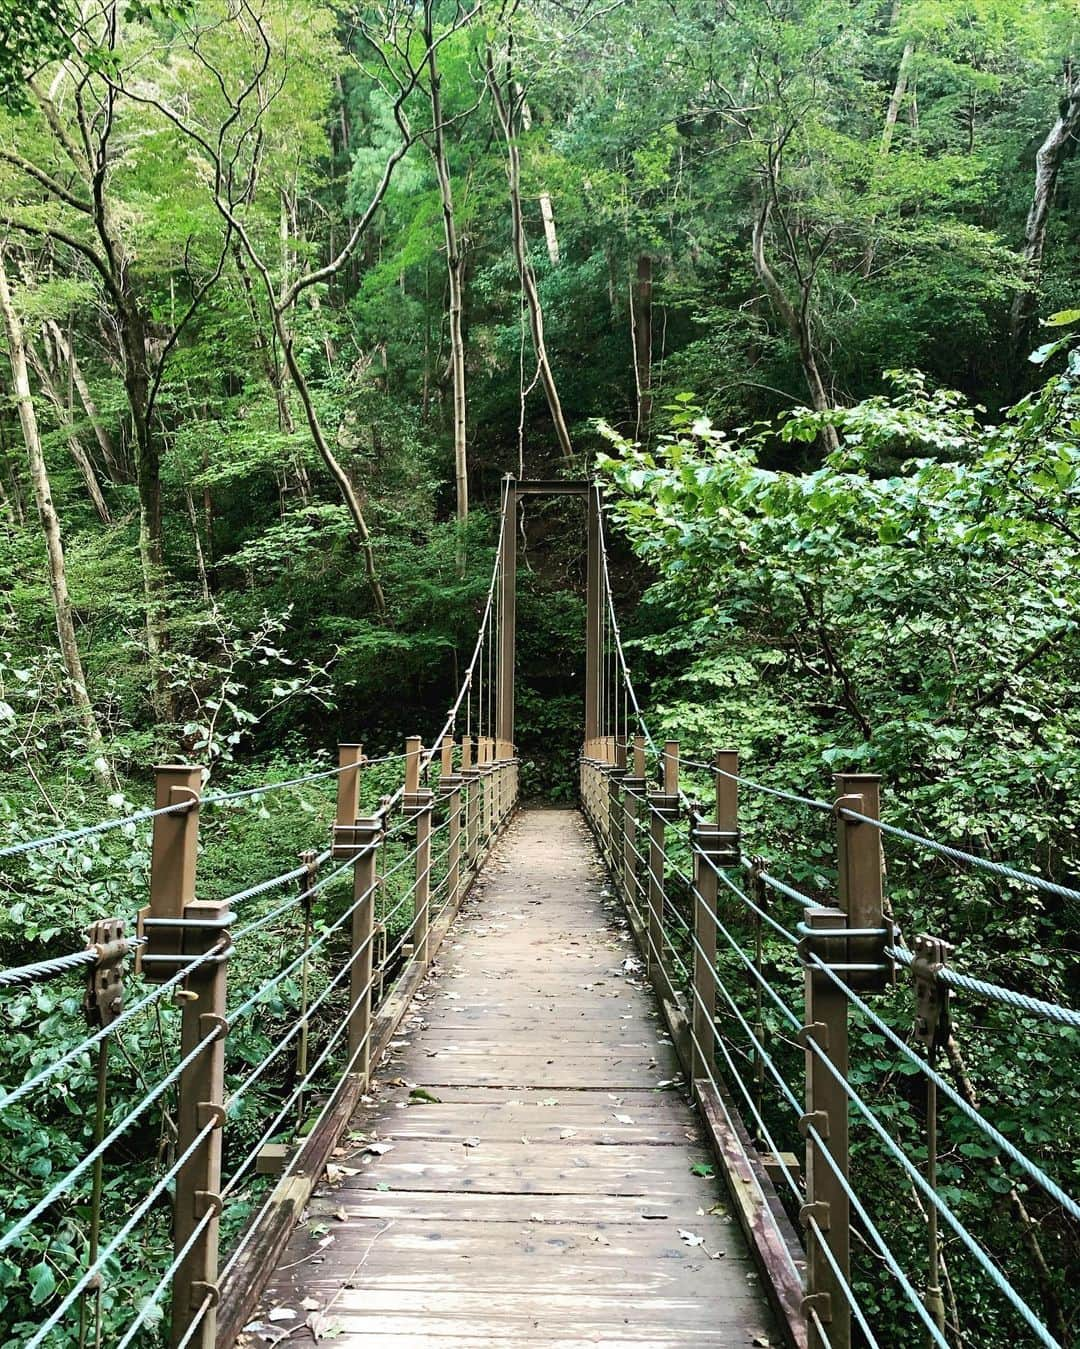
{"points": [[564, 1224], [245, 1280]]}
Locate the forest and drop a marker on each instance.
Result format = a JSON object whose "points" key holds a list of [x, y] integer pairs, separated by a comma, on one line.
{"points": [[289, 288]]}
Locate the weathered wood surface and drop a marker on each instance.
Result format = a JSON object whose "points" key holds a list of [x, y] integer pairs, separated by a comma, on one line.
{"points": [[547, 1196]]}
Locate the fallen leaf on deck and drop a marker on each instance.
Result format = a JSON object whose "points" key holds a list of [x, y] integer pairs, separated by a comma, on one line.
{"points": [[470, 1142], [282, 1314], [623, 1119], [321, 1327], [691, 1238]]}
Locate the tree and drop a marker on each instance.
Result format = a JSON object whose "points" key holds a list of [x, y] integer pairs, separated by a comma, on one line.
{"points": [[50, 528]]}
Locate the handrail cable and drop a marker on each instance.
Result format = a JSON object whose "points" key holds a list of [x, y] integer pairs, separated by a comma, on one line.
{"points": [[973, 1247], [136, 1216], [177, 808], [1014, 1154], [91, 1041], [1049, 1011], [67, 1181]]}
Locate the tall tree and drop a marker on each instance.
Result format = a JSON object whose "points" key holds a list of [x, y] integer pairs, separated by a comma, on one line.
{"points": [[50, 528]]}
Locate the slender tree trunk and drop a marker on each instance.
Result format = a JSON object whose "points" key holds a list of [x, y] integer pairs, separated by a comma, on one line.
{"points": [[641, 316], [102, 436], [1053, 152], [454, 269], [892, 112], [54, 545], [547, 211], [348, 491], [81, 458], [200, 559], [797, 323], [525, 272]]}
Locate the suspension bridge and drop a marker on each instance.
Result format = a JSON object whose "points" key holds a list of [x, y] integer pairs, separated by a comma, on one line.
{"points": [[472, 1074]]}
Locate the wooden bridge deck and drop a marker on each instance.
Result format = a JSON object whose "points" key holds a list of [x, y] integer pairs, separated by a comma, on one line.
{"points": [[523, 1174]]}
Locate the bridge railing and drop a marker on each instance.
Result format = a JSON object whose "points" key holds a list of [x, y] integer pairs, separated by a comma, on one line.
{"points": [[268, 1010], [761, 985]]}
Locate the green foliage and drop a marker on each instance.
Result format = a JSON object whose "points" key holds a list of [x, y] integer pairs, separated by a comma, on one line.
{"points": [[907, 608]]}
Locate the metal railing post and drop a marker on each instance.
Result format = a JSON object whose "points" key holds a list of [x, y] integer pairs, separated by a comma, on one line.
{"points": [[826, 1214], [470, 779], [615, 811], [663, 806], [358, 838], [179, 929], [633, 787], [450, 784], [418, 804], [714, 845], [860, 888]]}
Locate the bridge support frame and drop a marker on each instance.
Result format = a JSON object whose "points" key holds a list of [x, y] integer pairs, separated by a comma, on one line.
{"points": [[714, 845], [180, 930], [827, 1212]]}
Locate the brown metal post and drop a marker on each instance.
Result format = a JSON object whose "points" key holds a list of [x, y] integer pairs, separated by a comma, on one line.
{"points": [[471, 777], [508, 620], [594, 612], [200, 1102], [179, 929], [670, 762], [423, 881], [489, 792], [663, 806], [714, 846], [418, 804], [450, 784], [359, 838], [350, 760], [633, 787], [860, 883], [172, 865], [825, 1126], [413, 749]]}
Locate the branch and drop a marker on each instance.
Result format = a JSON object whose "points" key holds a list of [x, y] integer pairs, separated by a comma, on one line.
{"points": [[49, 183]]}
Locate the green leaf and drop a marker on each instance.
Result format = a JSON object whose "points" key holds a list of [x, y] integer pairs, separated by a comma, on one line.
{"points": [[42, 1283]]}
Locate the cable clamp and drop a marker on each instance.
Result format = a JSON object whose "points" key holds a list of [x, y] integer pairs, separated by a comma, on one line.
{"points": [[818, 1120], [846, 803], [820, 1304], [206, 1201], [209, 1112], [104, 998], [210, 1021], [200, 1291], [818, 1212], [818, 1032], [933, 1023]]}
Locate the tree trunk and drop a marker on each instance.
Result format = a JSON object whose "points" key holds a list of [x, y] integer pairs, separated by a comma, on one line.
{"points": [[54, 545], [200, 558], [102, 436], [892, 112], [525, 271], [641, 319], [547, 212], [352, 501], [454, 275], [1048, 161], [797, 323], [63, 412]]}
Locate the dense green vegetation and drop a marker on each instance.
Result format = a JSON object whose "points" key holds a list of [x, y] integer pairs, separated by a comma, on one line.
{"points": [[269, 347]]}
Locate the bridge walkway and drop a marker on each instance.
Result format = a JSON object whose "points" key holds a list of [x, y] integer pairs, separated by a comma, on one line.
{"points": [[526, 1170]]}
